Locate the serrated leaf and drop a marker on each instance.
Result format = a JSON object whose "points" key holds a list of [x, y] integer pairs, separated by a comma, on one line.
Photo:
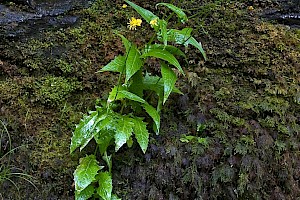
{"points": [[179, 12], [146, 14], [133, 62], [116, 65], [169, 78], [126, 43], [105, 132], [196, 44], [173, 50], [124, 129], [164, 55], [84, 131], [85, 173], [154, 115], [105, 185], [85, 194], [141, 133]]}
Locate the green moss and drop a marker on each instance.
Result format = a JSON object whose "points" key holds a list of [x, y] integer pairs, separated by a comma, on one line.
{"points": [[54, 91], [9, 91]]}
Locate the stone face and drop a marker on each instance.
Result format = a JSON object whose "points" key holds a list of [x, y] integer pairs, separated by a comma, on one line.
{"points": [[288, 12], [40, 14]]}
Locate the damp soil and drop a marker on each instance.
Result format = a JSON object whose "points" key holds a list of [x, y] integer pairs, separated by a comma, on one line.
{"points": [[243, 103]]}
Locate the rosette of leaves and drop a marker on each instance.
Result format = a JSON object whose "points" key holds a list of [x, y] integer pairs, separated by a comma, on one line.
{"points": [[119, 119]]}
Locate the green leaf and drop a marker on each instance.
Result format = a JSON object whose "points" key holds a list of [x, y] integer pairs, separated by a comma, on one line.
{"points": [[128, 95], [126, 43], [136, 85], [163, 29], [173, 50], [84, 131], [108, 161], [153, 114], [179, 36], [119, 92], [146, 14], [85, 173], [124, 129], [116, 65], [196, 44], [179, 12], [105, 185], [141, 133], [164, 55], [103, 139], [156, 84], [169, 78], [184, 37], [113, 94], [133, 62], [115, 197], [85, 194]]}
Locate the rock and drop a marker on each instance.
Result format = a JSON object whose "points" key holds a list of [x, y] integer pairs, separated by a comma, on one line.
{"points": [[42, 15], [288, 12]]}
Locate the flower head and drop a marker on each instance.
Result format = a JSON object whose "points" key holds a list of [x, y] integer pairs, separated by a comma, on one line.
{"points": [[153, 22], [124, 6], [133, 23]]}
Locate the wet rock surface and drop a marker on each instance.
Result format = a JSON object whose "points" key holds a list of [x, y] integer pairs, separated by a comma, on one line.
{"points": [[23, 17], [287, 12]]}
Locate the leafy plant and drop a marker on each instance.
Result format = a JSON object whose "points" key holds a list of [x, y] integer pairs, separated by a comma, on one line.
{"points": [[121, 117]]}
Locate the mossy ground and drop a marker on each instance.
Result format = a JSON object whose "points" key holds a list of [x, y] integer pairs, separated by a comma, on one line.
{"points": [[247, 96]]}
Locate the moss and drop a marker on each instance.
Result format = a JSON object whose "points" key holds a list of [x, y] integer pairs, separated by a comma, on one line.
{"points": [[54, 91], [9, 91], [247, 95]]}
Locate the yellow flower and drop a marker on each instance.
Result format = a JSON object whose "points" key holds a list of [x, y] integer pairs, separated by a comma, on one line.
{"points": [[133, 23], [124, 6], [153, 22]]}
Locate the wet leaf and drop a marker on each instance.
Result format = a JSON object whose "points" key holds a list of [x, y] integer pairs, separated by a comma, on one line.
{"points": [[105, 185], [85, 173], [85, 194], [146, 14], [198, 45], [179, 12], [84, 131], [128, 95], [169, 78], [124, 129], [141, 133], [163, 31], [126, 43], [164, 55], [154, 115], [116, 65], [133, 62], [173, 50]]}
